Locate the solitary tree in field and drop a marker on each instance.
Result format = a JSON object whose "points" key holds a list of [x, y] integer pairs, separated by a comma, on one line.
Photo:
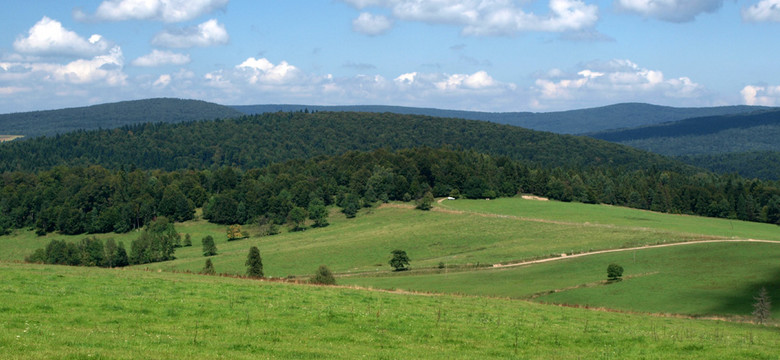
{"points": [[400, 260], [187, 240], [208, 269], [614, 272], [762, 308], [323, 276], [209, 248], [254, 264], [426, 202]]}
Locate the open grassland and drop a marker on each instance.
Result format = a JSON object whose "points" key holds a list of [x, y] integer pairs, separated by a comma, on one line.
{"points": [[614, 216], [364, 244], [4, 138], [57, 312], [714, 279]]}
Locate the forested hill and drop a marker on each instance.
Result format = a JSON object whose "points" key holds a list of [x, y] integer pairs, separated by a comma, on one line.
{"points": [[580, 121], [108, 116], [697, 127], [256, 141]]}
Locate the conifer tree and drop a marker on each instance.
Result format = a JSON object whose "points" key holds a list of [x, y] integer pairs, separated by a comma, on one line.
{"points": [[254, 263], [209, 248], [208, 269]]}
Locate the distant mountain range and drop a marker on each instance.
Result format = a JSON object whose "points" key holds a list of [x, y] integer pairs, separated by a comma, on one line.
{"points": [[109, 116], [581, 121], [746, 143]]}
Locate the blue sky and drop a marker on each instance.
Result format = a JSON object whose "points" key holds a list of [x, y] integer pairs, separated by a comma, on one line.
{"points": [[488, 55]]}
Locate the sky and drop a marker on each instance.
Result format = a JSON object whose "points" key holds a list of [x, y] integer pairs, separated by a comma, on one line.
{"points": [[485, 55]]}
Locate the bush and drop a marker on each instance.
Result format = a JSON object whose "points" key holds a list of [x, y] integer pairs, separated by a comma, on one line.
{"points": [[208, 269], [323, 276], [614, 272], [209, 248], [254, 263]]}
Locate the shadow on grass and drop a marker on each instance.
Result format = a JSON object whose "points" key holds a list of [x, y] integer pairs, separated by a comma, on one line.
{"points": [[742, 304]]}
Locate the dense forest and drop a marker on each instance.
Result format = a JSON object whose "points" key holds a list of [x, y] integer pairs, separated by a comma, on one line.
{"points": [[753, 164], [257, 141], [74, 200], [108, 116], [578, 121]]}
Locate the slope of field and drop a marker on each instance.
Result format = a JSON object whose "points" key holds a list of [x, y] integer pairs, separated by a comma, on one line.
{"points": [[707, 279], [113, 115], [563, 122], [51, 312]]}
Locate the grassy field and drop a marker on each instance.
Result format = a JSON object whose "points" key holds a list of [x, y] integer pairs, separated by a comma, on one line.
{"points": [[57, 312], [698, 279], [364, 244], [613, 216]]}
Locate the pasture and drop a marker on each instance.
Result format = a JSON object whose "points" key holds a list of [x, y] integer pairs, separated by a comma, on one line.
{"points": [[58, 312]]}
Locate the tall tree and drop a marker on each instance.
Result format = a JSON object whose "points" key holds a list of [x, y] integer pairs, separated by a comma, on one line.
{"points": [[209, 248], [254, 263]]}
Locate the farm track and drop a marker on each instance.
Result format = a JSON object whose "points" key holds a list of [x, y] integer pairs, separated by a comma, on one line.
{"points": [[708, 239]]}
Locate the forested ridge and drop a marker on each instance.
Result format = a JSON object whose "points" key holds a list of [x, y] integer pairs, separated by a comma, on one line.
{"points": [[256, 141], [94, 199], [112, 115]]}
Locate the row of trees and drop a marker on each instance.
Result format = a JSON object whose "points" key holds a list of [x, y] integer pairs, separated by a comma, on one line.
{"points": [[97, 200]]}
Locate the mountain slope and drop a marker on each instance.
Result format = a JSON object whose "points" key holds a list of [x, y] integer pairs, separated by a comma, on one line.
{"points": [[564, 122], [745, 143], [255, 141], [107, 116]]}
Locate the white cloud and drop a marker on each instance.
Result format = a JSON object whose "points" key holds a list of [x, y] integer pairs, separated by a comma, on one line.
{"points": [[158, 58], [761, 95], [208, 33], [611, 82], [764, 10], [160, 10], [49, 37], [162, 81], [262, 71], [370, 24], [490, 17], [102, 69], [670, 10]]}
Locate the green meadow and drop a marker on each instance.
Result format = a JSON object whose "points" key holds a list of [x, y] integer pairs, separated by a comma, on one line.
{"points": [[716, 279], [58, 312]]}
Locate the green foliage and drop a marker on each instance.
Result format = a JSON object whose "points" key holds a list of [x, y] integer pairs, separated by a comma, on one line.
{"points": [[318, 213], [208, 268], [87, 252], [297, 218], [614, 272], [187, 240], [254, 263], [323, 276], [209, 248], [399, 261], [156, 243], [351, 205], [425, 202]]}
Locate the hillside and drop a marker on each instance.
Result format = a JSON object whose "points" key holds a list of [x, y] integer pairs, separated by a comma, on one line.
{"points": [[79, 313], [256, 141], [743, 143], [108, 116], [563, 122]]}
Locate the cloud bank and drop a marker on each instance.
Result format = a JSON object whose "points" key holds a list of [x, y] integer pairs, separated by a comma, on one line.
{"points": [[488, 17], [159, 10], [669, 10]]}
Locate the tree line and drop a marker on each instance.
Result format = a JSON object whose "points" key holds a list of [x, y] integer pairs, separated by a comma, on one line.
{"points": [[75, 200]]}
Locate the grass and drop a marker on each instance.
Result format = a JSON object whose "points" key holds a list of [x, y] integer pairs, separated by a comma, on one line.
{"points": [[614, 216], [51, 312], [364, 244], [697, 279]]}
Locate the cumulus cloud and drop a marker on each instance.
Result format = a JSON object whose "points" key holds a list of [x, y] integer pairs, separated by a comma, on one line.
{"points": [[105, 69], [208, 33], [761, 95], [764, 10], [493, 17], [158, 58], [612, 81], [160, 10], [370, 24], [49, 37], [670, 10], [262, 71]]}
